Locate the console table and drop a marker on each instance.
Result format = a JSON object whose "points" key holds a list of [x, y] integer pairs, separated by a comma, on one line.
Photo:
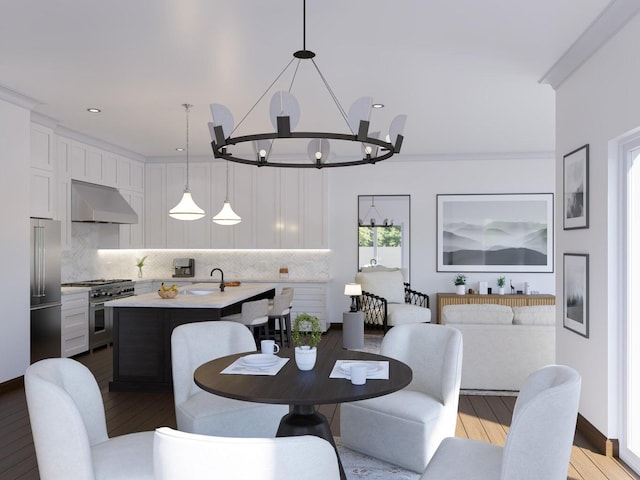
{"points": [[508, 300]]}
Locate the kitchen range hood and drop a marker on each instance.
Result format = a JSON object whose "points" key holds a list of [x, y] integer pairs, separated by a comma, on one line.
{"points": [[99, 204]]}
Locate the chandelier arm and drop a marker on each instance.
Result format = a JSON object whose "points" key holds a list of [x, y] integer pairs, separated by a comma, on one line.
{"points": [[333, 95], [262, 96], [295, 73]]}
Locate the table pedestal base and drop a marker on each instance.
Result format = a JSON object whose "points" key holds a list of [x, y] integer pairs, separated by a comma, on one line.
{"points": [[306, 420]]}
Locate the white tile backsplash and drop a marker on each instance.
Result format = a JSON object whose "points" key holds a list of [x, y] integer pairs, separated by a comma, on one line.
{"points": [[87, 261]]}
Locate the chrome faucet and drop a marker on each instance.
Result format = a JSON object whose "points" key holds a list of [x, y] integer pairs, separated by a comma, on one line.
{"points": [[221, 277]]}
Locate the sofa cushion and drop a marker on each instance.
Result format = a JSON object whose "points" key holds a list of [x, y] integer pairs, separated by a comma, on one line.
{"points": [[534, 315], [477, 314], [386, 284], [403, 313]]}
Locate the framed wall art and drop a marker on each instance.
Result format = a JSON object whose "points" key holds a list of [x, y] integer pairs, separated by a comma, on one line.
{"points": [[576, 293], [495, 233], [575, 191]]}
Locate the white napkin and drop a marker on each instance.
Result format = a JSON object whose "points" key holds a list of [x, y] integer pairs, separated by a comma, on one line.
{"points": [[238, 368], [381, 374]]}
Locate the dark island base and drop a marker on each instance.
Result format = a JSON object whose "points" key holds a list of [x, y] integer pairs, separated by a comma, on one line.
{"points": [[142, 343]]}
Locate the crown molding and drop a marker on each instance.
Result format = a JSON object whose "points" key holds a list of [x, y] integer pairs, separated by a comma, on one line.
{"points": [[608, 23], [96, 142], [17, 98]]}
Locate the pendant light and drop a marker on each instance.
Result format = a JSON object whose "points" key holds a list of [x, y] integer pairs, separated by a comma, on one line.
{"points": [[187, 208], [227, 216]]}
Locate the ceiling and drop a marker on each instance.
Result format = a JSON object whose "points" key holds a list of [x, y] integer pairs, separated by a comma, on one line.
{"points": [[466, 72]]}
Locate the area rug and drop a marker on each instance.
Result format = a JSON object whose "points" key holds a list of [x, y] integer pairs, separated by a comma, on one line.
{"points": [[358, 466]]}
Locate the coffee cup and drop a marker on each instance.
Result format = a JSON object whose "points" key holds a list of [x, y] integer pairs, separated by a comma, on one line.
{"points": [[358, 372], [269, 347]]}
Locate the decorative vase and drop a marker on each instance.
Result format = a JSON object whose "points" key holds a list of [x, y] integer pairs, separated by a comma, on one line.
{"points": [[139, 272], [306, 357], [460, 289], [500, 290]]}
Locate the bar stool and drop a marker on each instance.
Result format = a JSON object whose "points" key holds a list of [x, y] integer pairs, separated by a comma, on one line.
{"points": [[254, 315], [281, 311]]}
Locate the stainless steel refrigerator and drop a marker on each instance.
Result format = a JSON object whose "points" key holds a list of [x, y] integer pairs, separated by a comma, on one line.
{"points": [[46, 306]]}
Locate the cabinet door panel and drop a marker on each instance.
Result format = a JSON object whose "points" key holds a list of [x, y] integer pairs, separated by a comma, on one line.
{"points": [[267, 213], [242, 195], [155, 210], [290, 207]]}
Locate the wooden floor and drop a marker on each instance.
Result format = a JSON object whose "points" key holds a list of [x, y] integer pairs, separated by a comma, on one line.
{"points": [[480, 417]]}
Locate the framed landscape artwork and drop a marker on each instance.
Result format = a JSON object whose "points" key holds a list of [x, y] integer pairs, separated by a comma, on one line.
{"points": [[495, 233], [576, 293], [576, 189]]}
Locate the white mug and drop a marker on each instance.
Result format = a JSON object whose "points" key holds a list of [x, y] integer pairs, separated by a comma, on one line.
{"points": [[269, 347], [358, 373]]}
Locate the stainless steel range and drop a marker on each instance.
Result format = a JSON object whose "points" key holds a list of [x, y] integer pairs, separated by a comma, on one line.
{"points": [[100, 329]]}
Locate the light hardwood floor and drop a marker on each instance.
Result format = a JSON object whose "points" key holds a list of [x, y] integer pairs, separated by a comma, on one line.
{"points": [[480, 417]]}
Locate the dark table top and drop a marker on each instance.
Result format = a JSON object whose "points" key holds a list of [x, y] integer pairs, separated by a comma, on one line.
{"points": [[296, 387]]}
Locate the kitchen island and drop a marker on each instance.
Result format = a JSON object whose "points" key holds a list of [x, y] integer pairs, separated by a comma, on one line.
{"points": [[142, 327]]}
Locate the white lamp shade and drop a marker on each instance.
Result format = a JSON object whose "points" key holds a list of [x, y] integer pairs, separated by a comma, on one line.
{"points": [[353, 289], [186, 209], [227, 216]]}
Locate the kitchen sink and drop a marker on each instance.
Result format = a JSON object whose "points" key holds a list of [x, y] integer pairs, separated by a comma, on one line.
{"points": [[199, 292]]}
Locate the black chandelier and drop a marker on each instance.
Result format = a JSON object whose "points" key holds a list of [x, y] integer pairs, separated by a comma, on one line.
{"points": [[285, 113]]}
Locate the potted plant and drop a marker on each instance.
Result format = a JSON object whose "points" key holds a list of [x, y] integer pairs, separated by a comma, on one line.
{"points": [[306, 334], [460, 282], [140, 264], [501, 283]]}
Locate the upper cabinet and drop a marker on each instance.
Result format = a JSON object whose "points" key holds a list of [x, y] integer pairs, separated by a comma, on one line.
{"points": [[42, 173], [280, 208]]}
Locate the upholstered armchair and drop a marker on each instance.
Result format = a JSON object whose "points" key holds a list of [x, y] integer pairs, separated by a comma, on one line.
{"points": [[187, 456], [406, 427], [197, 411], [388, 301], [539, 441], [70, 431]]}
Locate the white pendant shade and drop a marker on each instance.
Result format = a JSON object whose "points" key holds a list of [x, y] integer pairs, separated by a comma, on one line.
{"points": [[186, 209], [227, 216]]}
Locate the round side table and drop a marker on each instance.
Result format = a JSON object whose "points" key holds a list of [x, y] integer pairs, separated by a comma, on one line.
{"points": [[353, 330]]}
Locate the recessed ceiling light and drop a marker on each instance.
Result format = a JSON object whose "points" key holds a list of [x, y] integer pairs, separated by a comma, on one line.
{"points": [[377, 105], [180, 149], [93, 110]]}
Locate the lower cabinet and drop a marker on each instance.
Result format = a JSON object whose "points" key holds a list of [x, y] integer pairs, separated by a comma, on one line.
{"points": [[309, 298], [75, 323]]}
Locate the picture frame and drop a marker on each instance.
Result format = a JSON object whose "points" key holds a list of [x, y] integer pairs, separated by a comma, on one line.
{"points": [[495, 233], [575, 190], [575, 305]]}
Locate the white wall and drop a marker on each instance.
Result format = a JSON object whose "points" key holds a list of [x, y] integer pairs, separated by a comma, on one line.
{"points": [[15, 125], [423, 180], [597, 104]]}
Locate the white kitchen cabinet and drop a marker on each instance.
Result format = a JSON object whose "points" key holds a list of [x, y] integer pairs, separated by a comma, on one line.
{"points": [[110, 170], [314, 209], [291, 193], [132, 235], [75, 323], [42, 185], [129, 174], [64, 191], [267, 211], [242, 196], [143, 286], [155, 200], [309, 298]]}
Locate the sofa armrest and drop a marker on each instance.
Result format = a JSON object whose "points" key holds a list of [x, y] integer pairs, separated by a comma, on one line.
{"points": [[414, 297], [374, 309]]}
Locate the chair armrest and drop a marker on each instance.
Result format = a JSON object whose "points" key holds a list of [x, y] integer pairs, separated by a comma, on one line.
{"points": [[374, 309], [414, 297]]}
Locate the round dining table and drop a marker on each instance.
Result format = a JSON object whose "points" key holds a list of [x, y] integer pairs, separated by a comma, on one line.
{"points": [[302, 390]]}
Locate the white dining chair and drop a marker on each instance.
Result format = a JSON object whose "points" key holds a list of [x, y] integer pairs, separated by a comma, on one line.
{"points": [[185, 456], [406, 427], [254, 315], [69, 427], [539, 440], [197, 411]]}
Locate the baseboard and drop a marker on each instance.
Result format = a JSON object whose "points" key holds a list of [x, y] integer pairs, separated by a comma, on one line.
{"points": [[337, 326], [604, 446], [12, 384]]}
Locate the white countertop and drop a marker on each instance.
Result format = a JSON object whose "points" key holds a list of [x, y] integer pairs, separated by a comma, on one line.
{"points": [[170, 280], [215, 299]]}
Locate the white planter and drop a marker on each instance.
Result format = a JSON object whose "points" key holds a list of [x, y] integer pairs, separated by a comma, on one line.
{"points": [[500, 290], [460, 289], [306, 357]]}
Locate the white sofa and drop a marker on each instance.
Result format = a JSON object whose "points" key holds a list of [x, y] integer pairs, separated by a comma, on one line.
{"points": [[502, 345]]}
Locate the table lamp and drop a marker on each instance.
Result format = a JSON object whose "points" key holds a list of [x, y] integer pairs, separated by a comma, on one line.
{"points": [[353, 290]]}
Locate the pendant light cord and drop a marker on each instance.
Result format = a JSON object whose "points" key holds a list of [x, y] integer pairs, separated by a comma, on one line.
{"points": [[187, 107], [226, 196]]}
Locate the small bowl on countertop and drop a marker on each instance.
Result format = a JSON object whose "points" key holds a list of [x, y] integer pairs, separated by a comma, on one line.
{"points": [[168, 293]]}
